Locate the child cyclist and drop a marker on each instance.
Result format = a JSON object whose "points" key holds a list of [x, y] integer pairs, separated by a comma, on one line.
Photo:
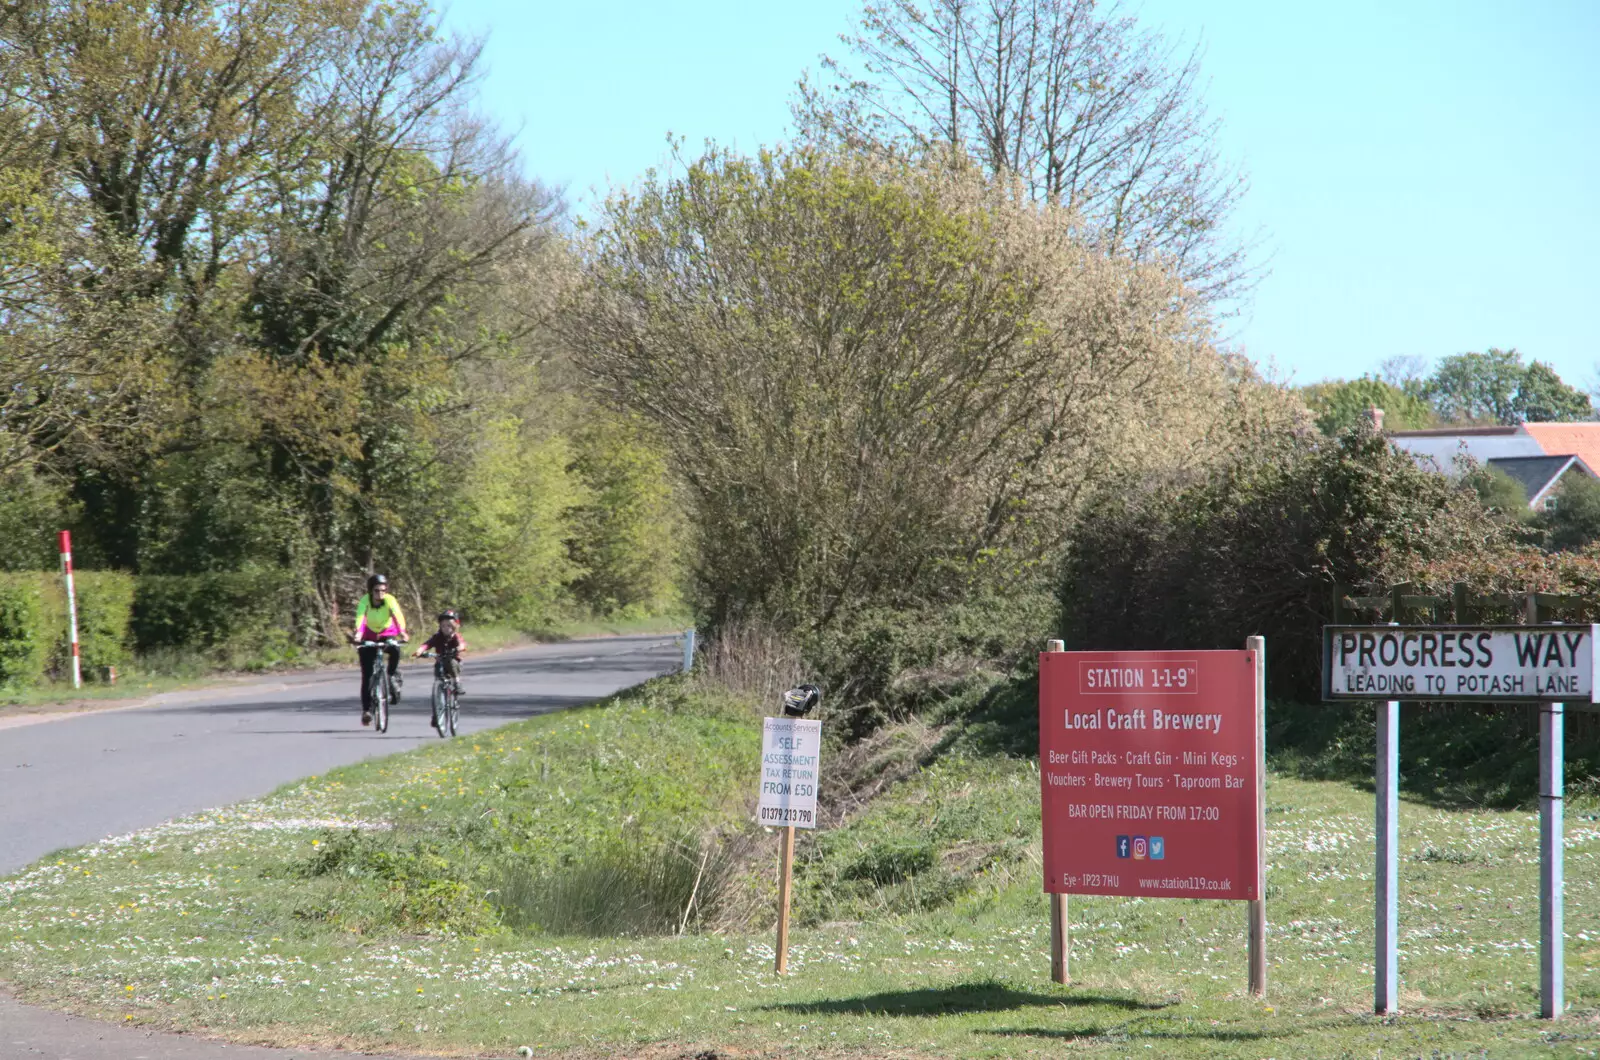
{"points": [[378, 617], [447, 645]]}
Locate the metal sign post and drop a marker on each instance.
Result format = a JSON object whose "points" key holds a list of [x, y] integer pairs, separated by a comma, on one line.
{"points": [[1386, 908], [1552, 950], [1552, 664]]}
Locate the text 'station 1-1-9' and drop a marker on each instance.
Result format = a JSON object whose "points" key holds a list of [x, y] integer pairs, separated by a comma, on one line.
{"points": [[1149, 768]]}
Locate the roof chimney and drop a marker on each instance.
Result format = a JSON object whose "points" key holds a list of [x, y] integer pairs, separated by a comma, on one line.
{"points": [[1375, 414]]}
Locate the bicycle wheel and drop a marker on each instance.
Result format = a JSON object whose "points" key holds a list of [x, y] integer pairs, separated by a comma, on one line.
{"points": [[452, 707], [440, 695], [380, 694]]}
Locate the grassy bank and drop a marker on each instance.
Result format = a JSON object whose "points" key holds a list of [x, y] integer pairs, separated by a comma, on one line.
{"points": [[587, 884]]}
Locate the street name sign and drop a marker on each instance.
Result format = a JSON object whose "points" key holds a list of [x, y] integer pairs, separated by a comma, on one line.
{"points": [[1492, 663], [791, 749], [1149, 772]]}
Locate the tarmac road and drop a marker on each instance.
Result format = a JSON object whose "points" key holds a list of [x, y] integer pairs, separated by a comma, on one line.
{"points": [[66, 780]]}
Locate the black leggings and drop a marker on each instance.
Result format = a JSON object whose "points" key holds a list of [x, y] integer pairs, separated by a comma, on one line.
{"points": [[366, 656]]}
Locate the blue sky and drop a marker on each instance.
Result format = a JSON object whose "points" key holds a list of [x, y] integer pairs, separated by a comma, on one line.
{"points": [[1425, 175]]}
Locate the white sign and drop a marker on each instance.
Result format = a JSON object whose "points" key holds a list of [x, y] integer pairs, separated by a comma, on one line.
{"points": [[790, 751], [1505, 663]]}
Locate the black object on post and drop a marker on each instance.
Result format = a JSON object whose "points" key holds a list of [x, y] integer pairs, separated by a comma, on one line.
{"points": [[798, 702]]}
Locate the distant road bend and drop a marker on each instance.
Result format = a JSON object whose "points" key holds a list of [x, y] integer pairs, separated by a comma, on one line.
{"points": [[68, 780]]}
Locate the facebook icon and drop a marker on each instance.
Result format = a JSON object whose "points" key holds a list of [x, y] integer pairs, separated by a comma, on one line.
{"points": [[1158, 848], [1123, 846]]}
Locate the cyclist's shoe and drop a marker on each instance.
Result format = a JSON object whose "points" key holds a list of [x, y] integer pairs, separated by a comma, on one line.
{"points": [[461, 689], [366, 717], [395, 684]]}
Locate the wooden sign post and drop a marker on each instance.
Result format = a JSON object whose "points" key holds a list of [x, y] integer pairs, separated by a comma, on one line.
{"points": [[1256, 908], [780, 963], [790, 751], [1060, 927]]}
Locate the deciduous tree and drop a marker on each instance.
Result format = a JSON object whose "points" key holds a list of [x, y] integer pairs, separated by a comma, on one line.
{"points": [[877, 376], [1091, 110]]}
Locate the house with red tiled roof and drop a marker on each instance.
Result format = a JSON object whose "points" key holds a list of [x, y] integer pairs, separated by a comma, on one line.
{"points": [[1537, 455]]}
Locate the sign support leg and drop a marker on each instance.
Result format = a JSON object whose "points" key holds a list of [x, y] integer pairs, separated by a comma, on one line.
{"points": [[1552, 948], [1256, 914], [1060, 927], [785, 880], [1060, 940], [1386, 913]]}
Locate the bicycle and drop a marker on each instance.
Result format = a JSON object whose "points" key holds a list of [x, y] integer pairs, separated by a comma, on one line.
{"points": [[446, 695], [380, 692]]}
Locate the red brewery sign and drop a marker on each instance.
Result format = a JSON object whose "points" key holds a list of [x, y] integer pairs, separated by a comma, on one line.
{"points": [[1148, 761]]}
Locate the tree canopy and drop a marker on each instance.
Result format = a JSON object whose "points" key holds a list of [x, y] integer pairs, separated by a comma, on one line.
{"points": [[879, 375], [1466, 389], [1338, 406], [1088, 108], [1497, 387], [271, 295]]}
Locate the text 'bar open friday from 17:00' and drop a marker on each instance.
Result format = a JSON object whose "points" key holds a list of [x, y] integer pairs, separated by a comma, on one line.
{"points": [[1504, 663]]}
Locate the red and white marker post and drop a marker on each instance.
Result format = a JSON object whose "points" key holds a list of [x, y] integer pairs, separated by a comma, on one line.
{"points": [[72, 606]]}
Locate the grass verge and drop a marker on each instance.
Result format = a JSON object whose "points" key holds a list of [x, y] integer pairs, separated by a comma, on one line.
{"points": [[407, 904]]}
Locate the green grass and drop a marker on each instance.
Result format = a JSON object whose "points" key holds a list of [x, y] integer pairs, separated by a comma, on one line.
{"points": [[366, 908]]}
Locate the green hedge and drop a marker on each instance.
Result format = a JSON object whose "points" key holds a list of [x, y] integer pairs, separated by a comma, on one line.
{"points": [[118, 613], [105, 613], [205, 610], [34, 633], [23, 644]]}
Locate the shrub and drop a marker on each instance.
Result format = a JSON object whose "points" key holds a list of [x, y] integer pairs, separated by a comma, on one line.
{"points": [[861, 418], [884, 664], [22, 619], [105, 610], [427, 887], [636, 885], [205, 610], [1259, 547]]}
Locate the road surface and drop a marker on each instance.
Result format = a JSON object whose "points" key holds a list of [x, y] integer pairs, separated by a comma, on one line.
{"points": [[67, 780]]}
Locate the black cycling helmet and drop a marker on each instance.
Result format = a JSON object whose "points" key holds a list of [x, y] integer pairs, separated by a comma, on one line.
{"points": [[377, 580], [798, 702], [450, 613]]}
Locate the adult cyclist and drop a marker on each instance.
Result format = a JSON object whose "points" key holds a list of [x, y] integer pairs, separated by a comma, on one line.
{"points": [[378, 617]]}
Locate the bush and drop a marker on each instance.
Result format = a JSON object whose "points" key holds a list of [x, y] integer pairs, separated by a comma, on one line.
{"points": [[105, 611], [884, 665], [31, 511], [1258, 549], [207, 610], [23, 651], [639, 884], [427, 887]]}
